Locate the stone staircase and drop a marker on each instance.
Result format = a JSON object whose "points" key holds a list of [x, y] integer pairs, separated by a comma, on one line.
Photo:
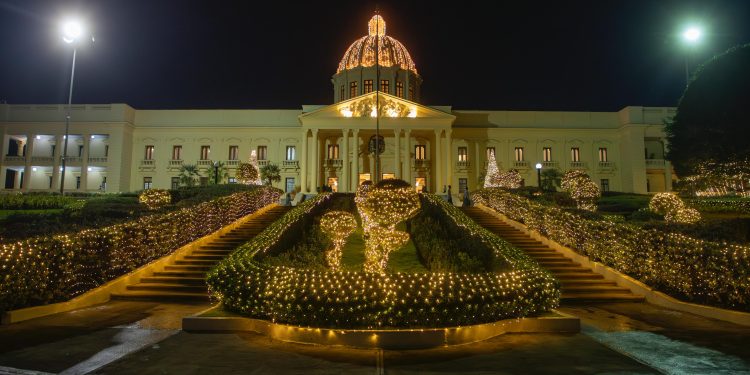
{"points": [[185, 279], [578, 284]]}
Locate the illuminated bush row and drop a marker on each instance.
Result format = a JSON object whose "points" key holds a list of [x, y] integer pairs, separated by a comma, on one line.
{"points": [[358, 299], [48, 269], [33, 201], [702, 271], [720, 205]]}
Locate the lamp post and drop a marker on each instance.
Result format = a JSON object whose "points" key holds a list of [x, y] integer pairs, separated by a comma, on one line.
{"points": [[692, 36], [216, 173], [539, 175], [72, 33]]}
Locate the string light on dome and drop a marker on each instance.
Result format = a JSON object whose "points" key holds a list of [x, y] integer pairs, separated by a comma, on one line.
{"points": [[361, 53]]}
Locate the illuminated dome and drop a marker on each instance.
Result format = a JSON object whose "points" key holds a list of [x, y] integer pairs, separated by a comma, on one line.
{"points": [[362, 52]]}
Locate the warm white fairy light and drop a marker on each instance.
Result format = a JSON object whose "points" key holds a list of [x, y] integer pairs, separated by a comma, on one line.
{"points": [[581, 188], [155, 198], [337, 225], [361, 53]]}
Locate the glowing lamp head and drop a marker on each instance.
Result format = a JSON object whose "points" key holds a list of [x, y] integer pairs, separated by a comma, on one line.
{"points": [[693, 34], [72, 31], [538, 165]]}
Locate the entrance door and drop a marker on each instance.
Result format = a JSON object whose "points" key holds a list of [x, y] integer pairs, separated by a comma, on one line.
{"points": [[289, 184]]}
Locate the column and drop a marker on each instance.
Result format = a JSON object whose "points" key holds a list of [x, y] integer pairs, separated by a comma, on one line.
{"points": [[448, 158], [397, 154], [344, 183], [3, 142], [438, 165], [355, 159], [316, 159], [668, 175], [409, 166], [303, 164], [30, 138], [85, 162], [477, 162], [56, 163]]}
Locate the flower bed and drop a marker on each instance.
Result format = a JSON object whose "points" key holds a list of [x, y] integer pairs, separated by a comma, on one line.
{"points": [[357, 299], [701, 271], [47, 269]]}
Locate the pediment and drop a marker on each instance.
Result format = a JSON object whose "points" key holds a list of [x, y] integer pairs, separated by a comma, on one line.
{"points": [[363, 108]]}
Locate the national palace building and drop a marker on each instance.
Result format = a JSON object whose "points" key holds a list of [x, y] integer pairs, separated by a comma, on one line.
{"points": [[115, 148]]}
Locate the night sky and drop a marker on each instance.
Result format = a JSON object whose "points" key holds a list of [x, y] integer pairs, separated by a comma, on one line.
{"points": [[539, 55]]}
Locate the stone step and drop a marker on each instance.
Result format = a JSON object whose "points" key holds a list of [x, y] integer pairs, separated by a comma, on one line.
{"points": [[577, 298], [595, 289], [211, 257], [174, 280], [169, 287], [582, 282], [190, 262], [183, 297], [212, 252], [560, 264], [570, 276], [186, 274], [173, 267]]}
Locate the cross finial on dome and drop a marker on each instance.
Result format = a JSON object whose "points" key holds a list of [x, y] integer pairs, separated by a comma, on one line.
{"points": [[376, 26]]}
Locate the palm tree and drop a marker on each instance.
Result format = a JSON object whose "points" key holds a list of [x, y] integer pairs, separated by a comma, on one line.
{"points": [[551, 179], [189, 173], [223, 172], [270, 173]]}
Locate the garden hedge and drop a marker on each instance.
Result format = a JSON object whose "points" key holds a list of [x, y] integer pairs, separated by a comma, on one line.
{"points": [[700, 271], [356, 299], [47, 269]]}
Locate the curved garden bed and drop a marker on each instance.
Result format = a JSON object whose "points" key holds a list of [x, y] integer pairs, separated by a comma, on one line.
{"points": [[356, 299]]}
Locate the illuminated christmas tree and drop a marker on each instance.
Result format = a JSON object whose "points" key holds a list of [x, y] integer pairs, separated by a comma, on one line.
{"points": [[493, 174]]}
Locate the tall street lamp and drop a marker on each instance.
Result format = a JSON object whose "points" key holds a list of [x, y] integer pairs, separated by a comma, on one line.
{"points": [[692, 36], [72, 33], [539, 175], [216, 173]]}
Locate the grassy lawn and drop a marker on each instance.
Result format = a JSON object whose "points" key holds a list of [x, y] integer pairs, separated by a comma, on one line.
{"points": [[404, 259], [5, 213], [623, 204]]}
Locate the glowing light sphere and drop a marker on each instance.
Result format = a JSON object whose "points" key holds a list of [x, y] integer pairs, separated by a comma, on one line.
{"points": [[692, 34], [72, 30]]}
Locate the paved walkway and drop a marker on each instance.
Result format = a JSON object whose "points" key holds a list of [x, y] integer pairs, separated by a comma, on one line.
{"points": [[124, 337]]}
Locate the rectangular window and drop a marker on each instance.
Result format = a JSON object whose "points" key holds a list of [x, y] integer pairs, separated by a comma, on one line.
{"points": [[399, 89], [419, 152], [80, 151], [149, 155], [177, 152], [234, 152], [605, 184], [341, 95], [352, 89], [333, 184], [147, 181], [103, 186], [602, 154], [52, 149], [289, 184], [411, 92], [385, 86], [463, 185], [106, 150], [490, 151], [291, 153], [333, 151], [78, 182], [232, 180], [575, 154], [262, 152], [175, 183], [368, 86], [50, 182], [519, 154], [463, 154], [547, 154], [205, 152]]}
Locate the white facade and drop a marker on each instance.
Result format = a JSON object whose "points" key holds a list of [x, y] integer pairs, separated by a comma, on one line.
{"points": [[114, 147]]}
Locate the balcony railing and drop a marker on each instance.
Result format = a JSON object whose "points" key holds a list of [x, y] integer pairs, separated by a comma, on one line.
{"points": [[175, 163], [606, 165], [290, 164], [336, 163], [655, 163], [73, 159], [421, 163], [520, 164], [11, 159], [42, 159], [550, 164], [263, 163], [148, 164], [578, 164], [463, 164], [232, 163], [205, 163], [98, 160]]}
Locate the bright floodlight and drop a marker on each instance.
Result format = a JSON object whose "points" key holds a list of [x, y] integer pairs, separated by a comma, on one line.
{"points": [[692, 34], [71, 31], [538, 165]]}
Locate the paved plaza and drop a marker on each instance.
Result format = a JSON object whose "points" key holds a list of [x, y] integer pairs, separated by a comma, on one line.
{"points": [[123, 337]]}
